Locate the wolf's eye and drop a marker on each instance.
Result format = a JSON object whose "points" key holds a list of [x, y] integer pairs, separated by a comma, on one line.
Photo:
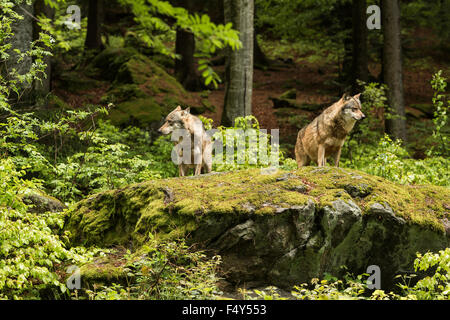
{"points": [[354, 109]]}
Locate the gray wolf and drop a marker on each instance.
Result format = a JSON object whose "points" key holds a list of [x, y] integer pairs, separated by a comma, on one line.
{"points": [[200, 143], [325, 135]]}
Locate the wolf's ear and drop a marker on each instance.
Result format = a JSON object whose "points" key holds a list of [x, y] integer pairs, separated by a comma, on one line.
{"points": [[178, 108], [185, 112], [345, 97], [357, 96]]}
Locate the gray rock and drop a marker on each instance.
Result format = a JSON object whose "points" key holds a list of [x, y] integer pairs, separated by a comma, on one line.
{"points": [[39, 202], [384, 211], [358, 191]]}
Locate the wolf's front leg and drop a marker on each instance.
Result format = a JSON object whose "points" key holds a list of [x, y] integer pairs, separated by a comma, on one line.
{"points": [[321, 156], [198, 157], [182, 170], [337, 157]]}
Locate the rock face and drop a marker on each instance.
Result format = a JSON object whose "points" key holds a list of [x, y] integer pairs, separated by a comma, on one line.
{"points": [[280, 229]]}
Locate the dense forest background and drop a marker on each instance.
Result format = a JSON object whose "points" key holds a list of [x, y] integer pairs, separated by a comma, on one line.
{"points": [[84, 86]]}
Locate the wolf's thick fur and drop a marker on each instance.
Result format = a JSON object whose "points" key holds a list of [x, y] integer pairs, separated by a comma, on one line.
{"points": [[201, 144], [325, 135]]}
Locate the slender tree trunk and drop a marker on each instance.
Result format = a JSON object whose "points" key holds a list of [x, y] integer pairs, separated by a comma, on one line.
{"points": [[95, 20], [185, 70], [342, 10], [360, 56], [23, 36], [43, 87], [259, 58], [392, 67], [239, 66]]}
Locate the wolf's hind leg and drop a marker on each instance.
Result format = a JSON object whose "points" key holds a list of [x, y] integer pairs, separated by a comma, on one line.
{"points": [[207, 158], [337, 157], [300, 155], [182, 170], [207, 164]]}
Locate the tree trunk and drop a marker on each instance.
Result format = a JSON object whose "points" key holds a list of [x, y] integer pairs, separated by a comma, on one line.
{"points": [[392, 67], [185, 69], [95, 19], [259, 58], [342, 11], [360, 56], [23, 36], [43, 87], [239, 66]]}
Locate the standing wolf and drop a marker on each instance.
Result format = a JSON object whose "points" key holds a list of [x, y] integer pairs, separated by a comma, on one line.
{"points": [[326, 134], [200, 143]]}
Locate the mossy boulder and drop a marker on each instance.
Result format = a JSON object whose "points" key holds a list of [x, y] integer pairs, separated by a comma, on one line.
{"points": [[425, 108], [284, 103], [280, 228], [107, 63], [103, 271], [75, 81], [290, 94], [138, 112], [40, 202], [142, 91]]}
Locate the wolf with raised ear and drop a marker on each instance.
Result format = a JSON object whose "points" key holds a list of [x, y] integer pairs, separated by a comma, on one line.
{"points": [[325, 135], [200, 142]]}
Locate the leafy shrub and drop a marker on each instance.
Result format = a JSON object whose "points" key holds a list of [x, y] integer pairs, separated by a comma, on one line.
{"points": [[112, 159], [95, 159], [165, 271], [249, 158], [433, 287], [388, 158], [439, 139], [30, 247], [331, 289], [391, 161], [436, 286]]}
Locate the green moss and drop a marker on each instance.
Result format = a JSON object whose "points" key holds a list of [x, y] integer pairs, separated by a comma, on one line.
{"points": [[104, 271], [141, 70], [131, 213], [75, 81], [138, 111], [58, 103], [290, 94], [125, 92], [424, 205], [425, 108], [107, 63]]}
